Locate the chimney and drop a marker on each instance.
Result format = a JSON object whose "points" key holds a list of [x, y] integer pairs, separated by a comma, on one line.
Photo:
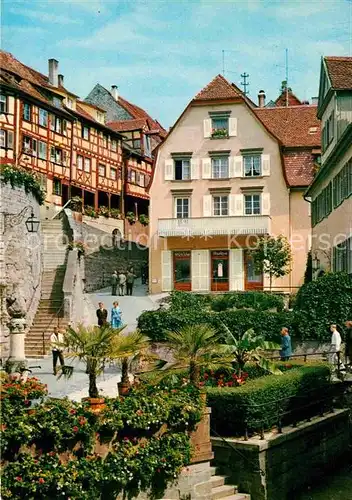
{"points": [[61, 80], [114, 92], [53, 72], [261, 99], [305, 103], [315, 101]]}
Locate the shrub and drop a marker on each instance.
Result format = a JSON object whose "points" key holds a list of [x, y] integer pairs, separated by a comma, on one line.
{"points": [[180, 301], [258, 403], [90, 211], [103, 211], [260, 301], [19, 177], [115, 213], [155, 324], [322, 302]]}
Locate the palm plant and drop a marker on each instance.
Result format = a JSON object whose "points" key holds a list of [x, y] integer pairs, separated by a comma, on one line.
{"points": [[94, 346], [250, 347], [195, 347], [130, 349]]}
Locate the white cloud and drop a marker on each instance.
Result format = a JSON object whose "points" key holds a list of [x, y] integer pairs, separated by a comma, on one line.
{"points": [[45, 17]]}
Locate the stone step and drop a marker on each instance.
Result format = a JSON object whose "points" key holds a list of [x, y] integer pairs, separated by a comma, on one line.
{"points": [[217, 481], [222, 491], [239, 496]]}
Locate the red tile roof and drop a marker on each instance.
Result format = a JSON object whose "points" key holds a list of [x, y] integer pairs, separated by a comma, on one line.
{"points": [[299, 167], [139, 113], [340, 72], [294, 126], [127, 125], [218, 88], [290, 97]]}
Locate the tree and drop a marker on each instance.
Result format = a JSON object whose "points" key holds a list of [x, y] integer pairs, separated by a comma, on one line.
{"points": [[195, 347], [94, 346], [272, 257], [250, 347], [308, 275]]}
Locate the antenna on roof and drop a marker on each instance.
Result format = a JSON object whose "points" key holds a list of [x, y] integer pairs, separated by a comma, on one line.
{"points": [[223, 62], [286, 64], [245, 84]]}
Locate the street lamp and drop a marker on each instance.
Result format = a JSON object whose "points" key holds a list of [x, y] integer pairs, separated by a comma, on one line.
{"points": [[32, 224], [316, 263]]}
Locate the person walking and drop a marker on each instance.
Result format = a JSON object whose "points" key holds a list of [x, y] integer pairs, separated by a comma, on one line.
{"points": [[114, 281], [286, 348], [102, 314], [122, 283], [130, 281], [348, 349], [116, 315], [335, 346], [56, 338]]}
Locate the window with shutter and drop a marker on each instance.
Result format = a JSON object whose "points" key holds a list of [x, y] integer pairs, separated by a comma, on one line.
{"points": [[220, 206], [252, 165], [207, 128], [233, 127], [207, 201], [238, 166], [9, 139], [206, 168], [194, 169], [252, 205], [169, 170]]}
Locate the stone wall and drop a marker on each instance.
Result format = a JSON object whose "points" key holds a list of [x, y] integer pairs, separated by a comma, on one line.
{"points": [[278, 466], [21, 256]]}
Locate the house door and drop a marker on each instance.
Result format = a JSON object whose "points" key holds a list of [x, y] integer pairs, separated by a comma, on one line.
{"points": [[182, 271], [220, 271], [252, 279]]}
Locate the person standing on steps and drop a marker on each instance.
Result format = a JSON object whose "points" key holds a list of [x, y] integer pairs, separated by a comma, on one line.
{"points": [[348, 348], [122, 283], [102, 314], [56, 339], [114, 281], [335, 346], [130, 281]]}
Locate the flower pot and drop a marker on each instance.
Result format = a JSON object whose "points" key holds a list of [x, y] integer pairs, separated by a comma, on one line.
{"points": [[124, 388], [96, 404], [200, 440]]}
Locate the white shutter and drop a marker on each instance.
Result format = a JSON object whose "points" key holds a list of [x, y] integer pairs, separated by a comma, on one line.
{"points": [[207, 128], [265, 164], [200, 270], [233, 127], [236, 269], [166, 270], [169, 170], [207, 199], [238, 166], [195, 169], [232, 204], [265, 203], [206, 168], [238, 204], [231, 166]]}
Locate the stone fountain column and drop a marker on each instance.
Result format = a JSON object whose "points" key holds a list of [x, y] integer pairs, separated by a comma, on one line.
{"points": [[17, 326]]}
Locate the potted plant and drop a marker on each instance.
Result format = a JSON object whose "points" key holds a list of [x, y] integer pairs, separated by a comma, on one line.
{"points": [[104, 211], [220, 132], [131, 217], [144, 219], [130, 349], [94, 346], [115, 213], [90, 211]]}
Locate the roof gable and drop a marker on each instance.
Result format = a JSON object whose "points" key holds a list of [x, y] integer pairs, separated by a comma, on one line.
{"points": [[218, 88], [287, 98], [101, 97], [339, 70]]}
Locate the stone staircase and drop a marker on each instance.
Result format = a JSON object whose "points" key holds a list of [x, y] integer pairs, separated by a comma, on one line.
{"points": [[219, 488], [50, 310]]}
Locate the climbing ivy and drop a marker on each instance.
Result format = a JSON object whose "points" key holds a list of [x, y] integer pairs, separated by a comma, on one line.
{"points": [[19, 177]]}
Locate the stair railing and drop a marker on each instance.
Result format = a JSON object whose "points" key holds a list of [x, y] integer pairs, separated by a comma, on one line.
{"points": [[62, 209], [49, 325]]}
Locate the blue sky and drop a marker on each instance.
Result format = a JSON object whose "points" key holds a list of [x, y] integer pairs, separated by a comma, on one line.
{"points": [[160, 53]]}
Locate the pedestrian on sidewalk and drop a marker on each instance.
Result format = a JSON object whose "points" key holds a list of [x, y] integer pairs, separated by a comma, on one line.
{"points": [[114, 281], [335, 346], [130, 281], [122, 283], [56, 340], [286, 348], [102, 314], [116, 315]]}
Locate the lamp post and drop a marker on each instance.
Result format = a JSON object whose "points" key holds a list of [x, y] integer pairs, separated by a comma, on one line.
{"points": [[14, 315], [315, 263]]}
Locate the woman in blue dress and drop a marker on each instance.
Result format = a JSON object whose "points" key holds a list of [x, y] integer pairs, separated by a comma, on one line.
{"points": [[116, 321]]}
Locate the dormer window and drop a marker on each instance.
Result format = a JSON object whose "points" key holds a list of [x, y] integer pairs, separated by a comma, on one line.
{"points": [[57, 102], [100, 117], [69, 102]]}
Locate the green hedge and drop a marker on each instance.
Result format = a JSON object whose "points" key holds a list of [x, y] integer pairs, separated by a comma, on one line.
{"points": [[258, 403], [259, 301], [322, 302], [155, 324]]}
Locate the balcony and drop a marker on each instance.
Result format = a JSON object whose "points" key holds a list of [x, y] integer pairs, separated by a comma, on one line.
{"points": [[213, 226]]}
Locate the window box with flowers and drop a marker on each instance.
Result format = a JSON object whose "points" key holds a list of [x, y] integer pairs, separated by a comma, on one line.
{"points": [[90, 211], [220, 133], [115, 213], [104, 211]]}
